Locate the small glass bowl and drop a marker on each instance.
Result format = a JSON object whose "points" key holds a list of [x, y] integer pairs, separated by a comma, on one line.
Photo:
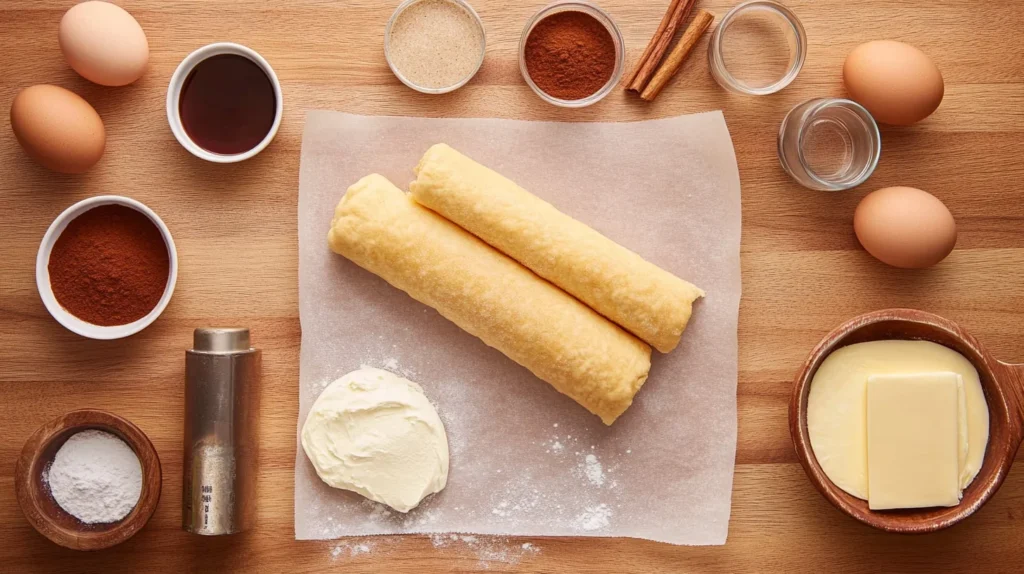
{"points": [[602, 17], [829, 144], [748, 20], [398, 74]]}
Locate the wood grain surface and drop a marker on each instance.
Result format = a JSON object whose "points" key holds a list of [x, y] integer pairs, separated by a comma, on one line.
{"points": [[235, 229]]}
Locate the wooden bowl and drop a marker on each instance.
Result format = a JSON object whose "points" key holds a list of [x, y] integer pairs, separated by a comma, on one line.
{"points": [[43, 512], [1003, 385]]}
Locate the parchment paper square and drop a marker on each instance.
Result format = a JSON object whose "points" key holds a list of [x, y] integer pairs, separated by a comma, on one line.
{"points": [[525, 460]]}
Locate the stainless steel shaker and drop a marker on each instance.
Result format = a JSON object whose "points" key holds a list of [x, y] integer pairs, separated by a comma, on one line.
{"points": [[222, 402]]}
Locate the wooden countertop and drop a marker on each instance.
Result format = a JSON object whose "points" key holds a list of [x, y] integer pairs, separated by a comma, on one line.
{"points": [[235, 228]]}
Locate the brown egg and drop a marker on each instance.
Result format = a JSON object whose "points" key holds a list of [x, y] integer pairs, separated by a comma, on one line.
{"points": [[896, 82], [103, 43], [905, 227], [58, 128]]}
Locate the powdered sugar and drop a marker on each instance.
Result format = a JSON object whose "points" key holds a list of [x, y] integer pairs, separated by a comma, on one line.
{"points": [[95, 477]]}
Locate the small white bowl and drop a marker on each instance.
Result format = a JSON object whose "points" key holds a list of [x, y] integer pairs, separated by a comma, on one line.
{"points": [[178, 81], [74, 324]]}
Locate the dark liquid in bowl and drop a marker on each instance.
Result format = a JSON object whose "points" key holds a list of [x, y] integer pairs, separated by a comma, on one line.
{"points": [[227, 104]]}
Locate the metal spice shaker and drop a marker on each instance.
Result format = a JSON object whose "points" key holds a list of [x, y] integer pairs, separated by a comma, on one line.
{"points": [[222, 402]]}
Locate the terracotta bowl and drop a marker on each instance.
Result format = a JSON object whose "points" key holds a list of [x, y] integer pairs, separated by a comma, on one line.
{"points": [[1002, 383], [43, 512]]}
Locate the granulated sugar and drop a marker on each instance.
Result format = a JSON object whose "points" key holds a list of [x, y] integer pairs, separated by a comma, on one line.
{"points": [[435, 43]]}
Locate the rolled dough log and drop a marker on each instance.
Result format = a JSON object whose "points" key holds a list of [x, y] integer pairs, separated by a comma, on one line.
{"points": [[559, 339], [646, 300]]}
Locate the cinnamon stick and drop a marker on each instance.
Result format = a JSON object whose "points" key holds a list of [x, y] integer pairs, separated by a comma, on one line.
{"points": [[659, 43], [701, 22], [672, 6]]}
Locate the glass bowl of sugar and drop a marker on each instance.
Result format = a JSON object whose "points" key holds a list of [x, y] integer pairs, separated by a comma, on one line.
{"points": [[434, 46]]}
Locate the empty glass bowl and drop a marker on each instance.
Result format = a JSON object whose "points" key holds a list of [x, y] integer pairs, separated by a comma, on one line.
{"points": [[758, 48], [829, 144]]}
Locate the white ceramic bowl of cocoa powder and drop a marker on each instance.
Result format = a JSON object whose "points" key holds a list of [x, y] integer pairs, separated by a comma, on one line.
{"points": [[65, 318]]}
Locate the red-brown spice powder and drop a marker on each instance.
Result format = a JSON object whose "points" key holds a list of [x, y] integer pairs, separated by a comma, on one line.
{"points": [[570, 55], [110, 266]]}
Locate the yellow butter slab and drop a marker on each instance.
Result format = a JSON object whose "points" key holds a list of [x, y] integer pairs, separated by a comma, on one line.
{"points": [[913, 440]]}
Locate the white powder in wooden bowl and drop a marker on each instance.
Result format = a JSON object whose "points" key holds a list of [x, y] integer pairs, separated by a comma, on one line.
{"points": [[95, 477], [435, 44]]}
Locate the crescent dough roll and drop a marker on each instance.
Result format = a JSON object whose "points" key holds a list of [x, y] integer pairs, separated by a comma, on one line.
{"points": [[646, 300], [490, 296]]}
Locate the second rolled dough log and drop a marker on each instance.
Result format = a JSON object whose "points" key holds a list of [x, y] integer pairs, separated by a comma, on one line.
{"points": [[559, 339], [646, 300]]}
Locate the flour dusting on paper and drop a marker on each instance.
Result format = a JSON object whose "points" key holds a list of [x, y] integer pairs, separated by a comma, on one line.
{"points": [[488, 549], [525, 460]]}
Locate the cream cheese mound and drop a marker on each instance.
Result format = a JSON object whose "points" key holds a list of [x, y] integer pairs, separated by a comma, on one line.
{"points": [[375, 433]]}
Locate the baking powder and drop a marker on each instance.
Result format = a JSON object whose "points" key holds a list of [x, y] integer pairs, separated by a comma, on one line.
{"points": [[95, 477]]}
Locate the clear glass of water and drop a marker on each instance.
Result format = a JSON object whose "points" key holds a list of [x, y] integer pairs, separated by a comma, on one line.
{"points": [[829, 144], [758, 48]]}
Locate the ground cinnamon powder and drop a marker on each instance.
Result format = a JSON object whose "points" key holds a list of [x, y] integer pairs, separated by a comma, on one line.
{"points": [[570, 55], [109, 266]]}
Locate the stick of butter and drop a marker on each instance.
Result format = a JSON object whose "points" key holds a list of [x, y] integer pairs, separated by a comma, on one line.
{"points": [[914, 440]]}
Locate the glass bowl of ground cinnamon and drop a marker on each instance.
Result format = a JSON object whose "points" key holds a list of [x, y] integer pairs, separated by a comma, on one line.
{"points": [[571, 54], [106, 267]]}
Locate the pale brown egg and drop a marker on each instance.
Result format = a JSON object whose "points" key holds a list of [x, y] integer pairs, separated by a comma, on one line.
{"points": [[58, 128], [896, 82], [905, 227], [103, 43]]}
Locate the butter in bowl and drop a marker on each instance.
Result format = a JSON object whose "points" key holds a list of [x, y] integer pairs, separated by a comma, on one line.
{"points": [[903, 421]]}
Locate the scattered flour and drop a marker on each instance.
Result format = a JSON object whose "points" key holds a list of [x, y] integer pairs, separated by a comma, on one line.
{"points": [[501, 509], [518, 501], [378, 512], [417, 520], [556, 444], [593, 518], [488, 549], [351, 549], [593, 470], [383, 361]]}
